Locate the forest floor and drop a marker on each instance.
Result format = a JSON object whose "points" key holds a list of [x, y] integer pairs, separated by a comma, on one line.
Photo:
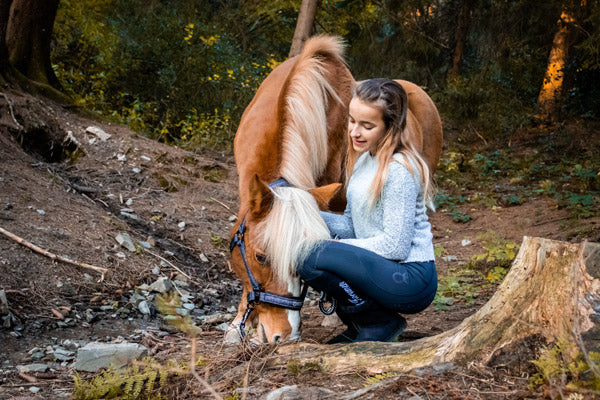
{"points": [[177, 207]]}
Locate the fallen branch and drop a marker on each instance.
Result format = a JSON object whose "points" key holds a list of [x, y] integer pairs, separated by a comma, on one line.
{"points": [[100, 270]]}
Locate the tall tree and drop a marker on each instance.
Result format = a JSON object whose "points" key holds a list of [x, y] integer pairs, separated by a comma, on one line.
{"points": [[462, 29], [28, 36], [25, 35], [304, 26], [552, 88]]}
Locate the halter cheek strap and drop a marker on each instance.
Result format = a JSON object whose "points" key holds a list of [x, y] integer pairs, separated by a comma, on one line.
{"points": [[258, 295]]}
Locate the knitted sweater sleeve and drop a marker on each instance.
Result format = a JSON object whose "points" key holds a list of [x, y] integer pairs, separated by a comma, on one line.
{"points": [[398, 202], [340, 225]]}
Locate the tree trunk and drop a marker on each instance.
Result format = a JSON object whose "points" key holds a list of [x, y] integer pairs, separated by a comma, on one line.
{"points": [[461, 35], [304, 26], [551, 291], [28, 36], [552, 88], [4, 12]]}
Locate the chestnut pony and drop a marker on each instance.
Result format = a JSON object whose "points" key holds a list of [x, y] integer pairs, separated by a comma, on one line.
{"points": [[289, 150]]}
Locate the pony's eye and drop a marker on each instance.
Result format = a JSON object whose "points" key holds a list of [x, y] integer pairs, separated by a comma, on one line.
{"points": [[261, 258]]}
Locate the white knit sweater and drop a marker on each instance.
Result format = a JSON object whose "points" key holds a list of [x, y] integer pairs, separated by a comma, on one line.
{"points": [[397, 227]]}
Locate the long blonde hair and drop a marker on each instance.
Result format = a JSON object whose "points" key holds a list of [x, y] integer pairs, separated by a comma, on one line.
{"points": [[391, 98]]}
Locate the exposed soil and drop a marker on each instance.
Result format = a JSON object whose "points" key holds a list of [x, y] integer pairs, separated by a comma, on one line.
{"points": [[128, 183]]}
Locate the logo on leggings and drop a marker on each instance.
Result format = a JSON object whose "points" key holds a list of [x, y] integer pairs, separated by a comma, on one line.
{"points": [[354, 298]]}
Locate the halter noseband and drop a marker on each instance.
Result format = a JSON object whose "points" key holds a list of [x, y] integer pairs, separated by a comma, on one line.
{"points": [[258, 295]]}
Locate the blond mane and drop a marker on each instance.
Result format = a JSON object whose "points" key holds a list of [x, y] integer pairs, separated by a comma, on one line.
{"points": [[294, 226]]}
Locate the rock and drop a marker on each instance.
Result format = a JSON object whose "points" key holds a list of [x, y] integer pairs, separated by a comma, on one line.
{"points": [[182, 311], [215, 318], [294, 392], [161, 285], [450, 258], [41, 212], [331, 320], [188, 306], [232, 309], [136, 170], [136, 298], [35, 367], [98, 132], [156, 270], [145, 244], [223, 327], [121, 255], [3, 303], [144, 307], [94, 356], [34, 389], [124, 240], [181, 225], [130, 216], [203, 258], [63, 354], [465, 242]]}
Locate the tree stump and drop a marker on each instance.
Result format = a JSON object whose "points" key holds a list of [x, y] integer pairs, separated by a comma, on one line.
{"points": [[552, 290]]}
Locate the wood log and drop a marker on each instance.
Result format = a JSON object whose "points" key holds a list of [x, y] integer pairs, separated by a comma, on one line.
{"points": [[551, 291]]}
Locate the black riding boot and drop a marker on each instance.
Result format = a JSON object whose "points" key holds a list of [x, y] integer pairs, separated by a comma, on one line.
{"points": [[345, 296], [349, 334], [375, 323]]}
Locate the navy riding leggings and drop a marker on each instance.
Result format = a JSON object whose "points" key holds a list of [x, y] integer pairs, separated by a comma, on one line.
{"points": [[349, 273]]}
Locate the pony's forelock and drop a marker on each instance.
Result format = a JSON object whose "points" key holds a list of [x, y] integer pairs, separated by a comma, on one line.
{"points": [[290, 231]]}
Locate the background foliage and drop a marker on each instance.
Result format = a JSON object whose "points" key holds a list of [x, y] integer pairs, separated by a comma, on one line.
{"points": [[184, 70]]}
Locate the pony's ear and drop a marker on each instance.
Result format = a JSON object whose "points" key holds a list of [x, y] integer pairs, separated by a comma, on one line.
{"points": [[327, 195], [261, 197]]}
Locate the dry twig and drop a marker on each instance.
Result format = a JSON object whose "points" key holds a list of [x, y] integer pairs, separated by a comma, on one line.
{"points": [[100, 270]]}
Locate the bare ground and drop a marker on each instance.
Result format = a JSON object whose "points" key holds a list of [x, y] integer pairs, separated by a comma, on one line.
{"points": [[76, 207]]}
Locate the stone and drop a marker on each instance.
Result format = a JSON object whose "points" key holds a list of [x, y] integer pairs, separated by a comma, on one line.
{"points": [[450, 258], [34, 389], [156, 270], [295, 392], [161, 285], [188, 306], [181, 225], [203, 258], [63, 354], [94, 356], [35, 367], [215, 318], [130, 216], [223, 327], [331, 321], [144, 307], [124, 240], [98, 132], [144, 244], [465, 242]]}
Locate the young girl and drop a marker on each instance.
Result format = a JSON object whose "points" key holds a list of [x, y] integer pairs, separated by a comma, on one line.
{"points": [[381, 260]]}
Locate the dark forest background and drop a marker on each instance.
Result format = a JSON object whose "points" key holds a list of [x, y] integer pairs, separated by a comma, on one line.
{"points": [[182, 71]]}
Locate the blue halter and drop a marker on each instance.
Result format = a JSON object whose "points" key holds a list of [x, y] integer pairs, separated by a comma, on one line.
{"points": [[258, 295]]}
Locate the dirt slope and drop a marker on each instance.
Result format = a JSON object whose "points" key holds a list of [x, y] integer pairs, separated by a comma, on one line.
{"points": [[181, 203]]}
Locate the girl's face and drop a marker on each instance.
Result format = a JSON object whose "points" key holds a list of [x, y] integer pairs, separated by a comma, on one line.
{"points": [[365, 125]]}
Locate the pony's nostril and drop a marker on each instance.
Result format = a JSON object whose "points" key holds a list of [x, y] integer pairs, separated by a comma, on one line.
{"points": [[276, 338]]}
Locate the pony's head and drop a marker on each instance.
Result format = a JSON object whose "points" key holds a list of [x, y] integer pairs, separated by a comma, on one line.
{"points": [[280, 227]]}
